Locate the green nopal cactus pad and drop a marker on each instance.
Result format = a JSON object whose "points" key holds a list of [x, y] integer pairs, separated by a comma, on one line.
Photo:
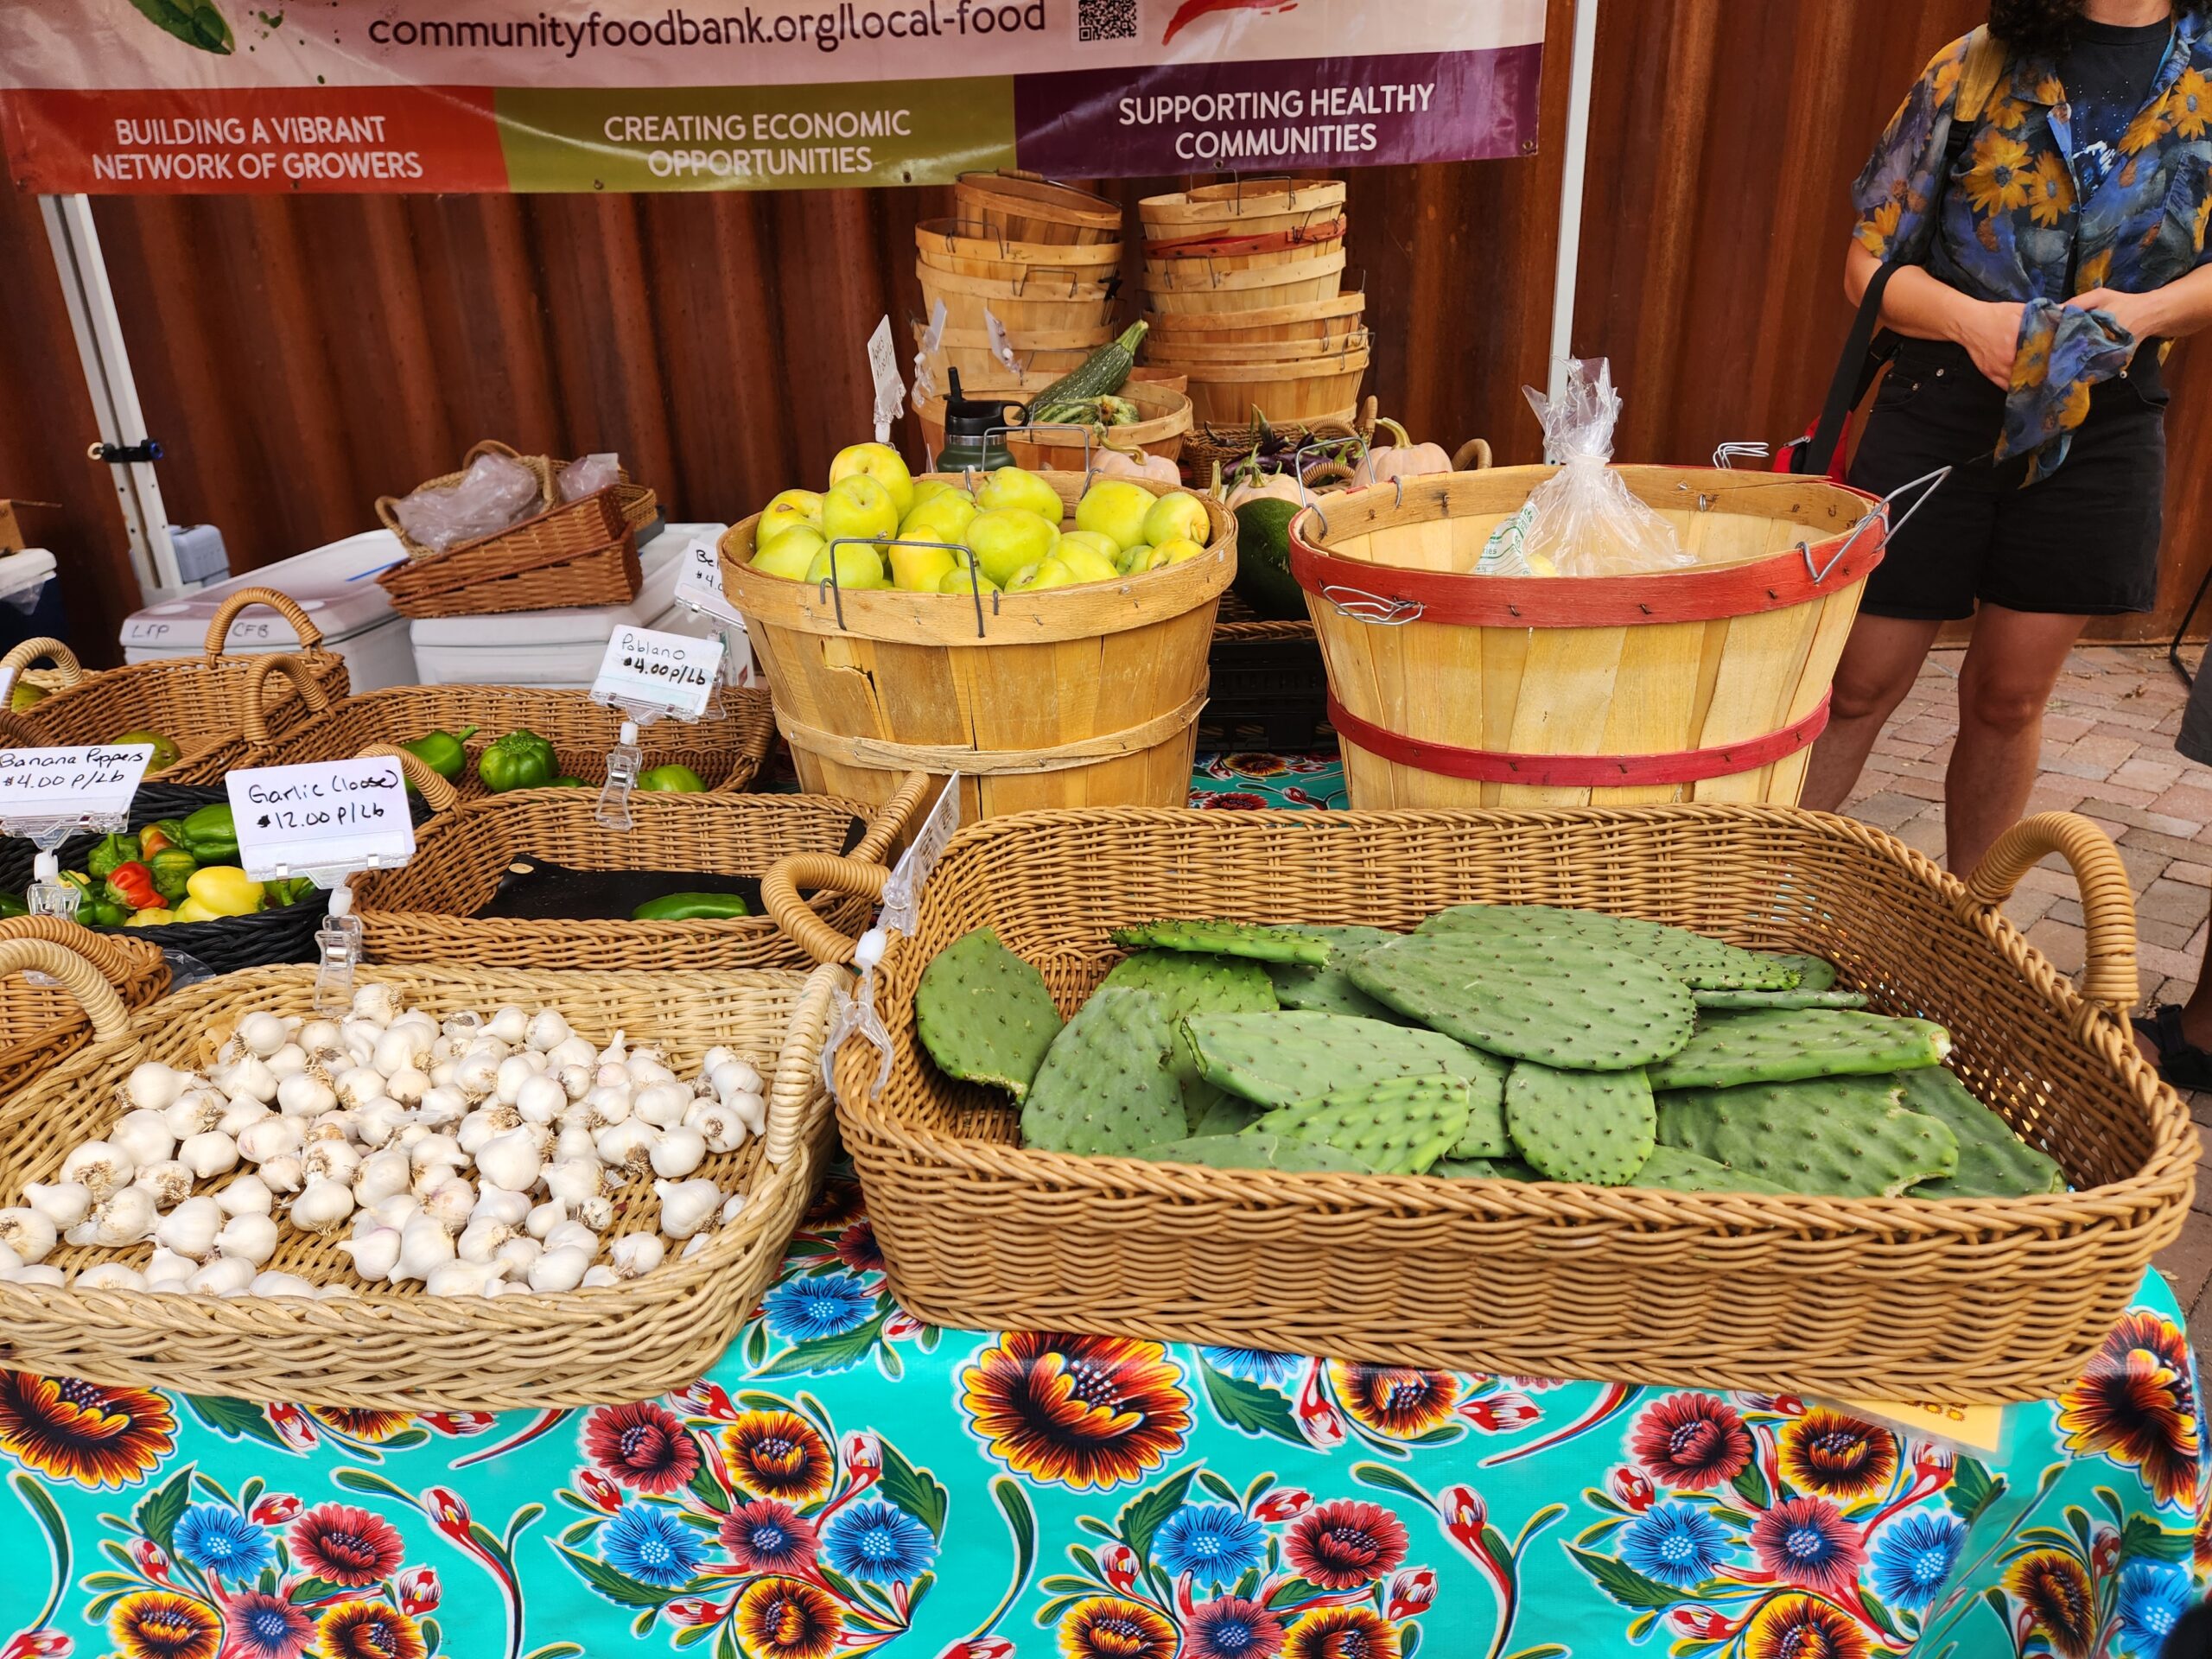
{"points": [[1700, 962], [1485, 1169], [1254, 1151], [1993, 1161], [1672, 1170], [984, 1015], [1783, 1048], [1485, 1075], [1844, 1137], [1514, 984], [1329, 989], [1813, 973], [1224, 939], [1219, 1112], [1107, 1086], [1194, 984], [1778, 1002], [1279, 1060], [1594, 1127], [1400, 1125]]}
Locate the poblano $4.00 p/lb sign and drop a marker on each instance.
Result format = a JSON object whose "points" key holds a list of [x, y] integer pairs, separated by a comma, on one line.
{"points": [[326, 815], [645, 668]]}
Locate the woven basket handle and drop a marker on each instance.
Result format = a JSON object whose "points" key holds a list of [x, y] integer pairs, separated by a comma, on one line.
{"points": [[16, 732], [67, 668], [256, 691], [2107, 899], [111, 1020], [823, 872], [112, 956], [798, 1072], [218, 626], [437, 794], [1472, 456], [892, 818]]}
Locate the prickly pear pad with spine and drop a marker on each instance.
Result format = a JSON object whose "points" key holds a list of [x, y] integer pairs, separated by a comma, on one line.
{"points": [[1219, 1112], [1279, 1060], [1827, 1137], [1329, 990], [1106, 1086], [1485, 1169], [1485, 1075], [984, 1015], [1778, 1002], [1593, 1127], [1781, 1047], [1224, 939], [1253, 1151], [1993, 1161], [1700, 962], [1514, 984], [1400, 1125], [1813, 973], [1194, 984], [1672, 1170]]}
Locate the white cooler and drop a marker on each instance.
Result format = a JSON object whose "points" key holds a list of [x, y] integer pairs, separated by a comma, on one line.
{"points": [[334, 585], [559, 648]]}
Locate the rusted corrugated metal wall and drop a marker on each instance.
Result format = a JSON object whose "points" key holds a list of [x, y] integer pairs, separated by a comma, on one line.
{"points": [[300, 356]]}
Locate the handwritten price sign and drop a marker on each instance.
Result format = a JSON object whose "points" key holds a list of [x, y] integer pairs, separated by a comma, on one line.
{"points": [[92, 782], [329, 814], [646, 668]]}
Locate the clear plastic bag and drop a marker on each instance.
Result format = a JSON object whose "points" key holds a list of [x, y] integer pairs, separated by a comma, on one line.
{"points": [[1584, 520], [588, 474], [495, 493]]}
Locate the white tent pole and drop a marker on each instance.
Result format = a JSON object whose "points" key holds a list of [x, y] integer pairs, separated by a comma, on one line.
{"points": [[98, 327], [1582, 64]]}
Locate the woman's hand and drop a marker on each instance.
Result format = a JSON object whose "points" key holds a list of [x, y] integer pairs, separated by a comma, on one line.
{"points": [[1990, 330], [2139, 314]]}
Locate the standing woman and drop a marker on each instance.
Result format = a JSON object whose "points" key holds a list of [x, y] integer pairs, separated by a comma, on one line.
{"points": [[2045, 252]]}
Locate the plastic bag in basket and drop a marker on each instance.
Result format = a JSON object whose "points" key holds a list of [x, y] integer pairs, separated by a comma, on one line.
{"points": [[495, 493], [589, 475], [1583, 520]]}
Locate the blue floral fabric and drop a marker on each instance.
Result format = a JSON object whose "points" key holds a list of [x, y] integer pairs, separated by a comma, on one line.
{"points": [[2014, 223]]}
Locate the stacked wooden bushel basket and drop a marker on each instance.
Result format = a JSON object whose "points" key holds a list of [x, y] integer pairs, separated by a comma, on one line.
{"points": [[1043, 259], [1243, 291]]}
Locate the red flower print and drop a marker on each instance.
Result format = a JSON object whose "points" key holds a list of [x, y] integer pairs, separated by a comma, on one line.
{"points": [[706, 1399], [150, 1559], [276, 1510], [1342, 1633], [1346, 1544], [418, 1589], [857, 1249], [1700, 1622], [1464, 1514], [1282, 1504], [343, 1545], [1119, 1563], [1231, 1628], [1798, 1627], [69, 1429], [765, 1536], [1410, 1594], [642, 1445], [694, 1610], [2135, 1406], [1806, 1542], [600, 1489], [1502, 1412], [1632, 1489], [1692, 1441], [1829, 1451]]}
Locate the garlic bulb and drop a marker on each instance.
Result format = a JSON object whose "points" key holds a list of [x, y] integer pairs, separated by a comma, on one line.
{"points": [[288, 1062], [627, 1145], [273, 1137], [544, 1217], [499, 1204], [190, 1228], [423, 1244], [152, 1086], [330, 1160], [540, 1099], [574, 1181], [29, 1233], [126, 1216], [718, 1124], [322, 1205], [437, 1149], [614, 1053], [306, 1095], [441, 1104], [686, 1206], [733, 1076], [574, 1141], [598, 1213], [110, 1275], [168, 1264], [376, 1001], [396, 1210], [263, 1033], [36, 1274], [190, 1113], [62, 1202], [240, 1114], [357, 1085], [320, 1037], [244, 1195], [101, 1167], [226, 1276], [600, 1278], [249, 1237], [695, 1243], [752, 1111], [547, 1030], [250, 1077], [559, 1270], [732, 1208], [408, 1085], [375, 1252], [573, 1050], [143, 1137], [376, 1124], [635, 1254], [573, 1234], [678, 1151], [511, 1161], [169, 1181], [449, 1203], [460, 1279], [515, 1071], [400, 1049], [381, 1175], [476, 1074], [481, 1239], [283, 1174], [663, 1103], [209, 1153], [607, 1103], [280, 1284]]}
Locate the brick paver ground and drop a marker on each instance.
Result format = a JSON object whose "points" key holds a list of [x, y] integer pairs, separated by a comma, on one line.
{"points": [[2108, 755]]}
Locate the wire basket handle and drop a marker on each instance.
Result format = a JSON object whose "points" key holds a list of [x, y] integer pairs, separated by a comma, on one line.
{"points": [[84, 983], [256, 691], [437, 793], [218, 626], [2110, 977], [798, 1070], [67, 668]]}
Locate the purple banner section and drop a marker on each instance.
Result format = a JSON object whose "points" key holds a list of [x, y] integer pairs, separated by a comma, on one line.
{"points": [[1279, 116]]}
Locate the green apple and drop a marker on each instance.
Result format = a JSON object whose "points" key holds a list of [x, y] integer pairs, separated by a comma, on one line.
{"points": [[1116, 507], [928, 489], [1179, 517], [944, 517], [1008, 538], [1137, 559], [861, 506], [1094, 540], [919, 569], [791, 554], [956, 581], [788, 508], [1048, 573], [1175, 551], [857, 566], [1009, 486], [881, 463], [1087, 561]]}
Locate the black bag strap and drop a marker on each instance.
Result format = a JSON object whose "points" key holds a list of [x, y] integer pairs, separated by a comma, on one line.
{"points": [[1855, 371]]}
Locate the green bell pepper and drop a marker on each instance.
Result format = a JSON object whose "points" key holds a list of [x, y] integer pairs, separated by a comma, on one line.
{"points": [[564, 781], [293, 892], [691, 907], [521, 759], [13, 904], [110, 851], [209, 835], [441, 751], [172, 869], [672, 779]]}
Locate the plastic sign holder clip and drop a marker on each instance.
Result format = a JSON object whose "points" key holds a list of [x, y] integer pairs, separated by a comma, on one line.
{"points": [[623, 762], [337, 952]]}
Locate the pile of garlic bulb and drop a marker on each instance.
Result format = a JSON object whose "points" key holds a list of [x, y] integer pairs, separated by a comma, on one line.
{"points": [[478, 1155]]}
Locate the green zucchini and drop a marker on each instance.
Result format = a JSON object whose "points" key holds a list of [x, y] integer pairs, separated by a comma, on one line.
{"points": [[1100, 375]]}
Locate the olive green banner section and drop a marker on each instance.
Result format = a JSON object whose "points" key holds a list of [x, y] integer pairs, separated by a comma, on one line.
{"points": [[822, 136]]}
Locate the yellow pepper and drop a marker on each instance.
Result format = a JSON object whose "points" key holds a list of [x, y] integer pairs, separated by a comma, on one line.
{"points": [[193, 910], [225, 890], [152, 917]]}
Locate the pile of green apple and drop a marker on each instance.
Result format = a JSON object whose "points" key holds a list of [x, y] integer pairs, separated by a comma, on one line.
{"points": [[929, 529]]}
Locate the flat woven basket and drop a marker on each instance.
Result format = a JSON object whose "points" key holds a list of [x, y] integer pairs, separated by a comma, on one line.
{"points": [[41, 1022], [203, 703], [427, 912], [1961, 1300], [726, 750], [1210, 445], [399, 1348], [66, 672]]}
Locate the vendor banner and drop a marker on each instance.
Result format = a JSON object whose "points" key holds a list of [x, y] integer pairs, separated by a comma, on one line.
{"points": [[213, 95]]}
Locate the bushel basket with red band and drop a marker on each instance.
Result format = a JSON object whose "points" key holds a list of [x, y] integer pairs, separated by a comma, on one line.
{"points": [[1707, 683]]}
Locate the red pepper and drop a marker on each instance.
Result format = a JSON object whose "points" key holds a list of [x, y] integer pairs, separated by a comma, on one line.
{"points": [[132, 884]]}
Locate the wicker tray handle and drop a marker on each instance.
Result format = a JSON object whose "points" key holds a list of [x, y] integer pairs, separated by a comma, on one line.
{"points": [[115, 957], [437, 794], [2110, 977], [218, 626], [861, 871], [1472, 456], [67, 669], [256, 691], [111, 1020], [16, 732], [798, 1073]]}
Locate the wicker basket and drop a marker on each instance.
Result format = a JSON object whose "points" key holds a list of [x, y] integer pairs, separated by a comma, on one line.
{"points": [[202, 703], [1209, 446], [41, 1022], [1961, 1300], [427, 912], [726, 750], [1265, 674], [399, 1348], [66, 672]]}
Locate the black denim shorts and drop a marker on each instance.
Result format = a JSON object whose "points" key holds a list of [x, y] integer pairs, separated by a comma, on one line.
{"points": [[2083, 541]]}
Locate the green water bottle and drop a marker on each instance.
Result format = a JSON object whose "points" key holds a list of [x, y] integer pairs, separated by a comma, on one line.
{"points": [[971, 444]]}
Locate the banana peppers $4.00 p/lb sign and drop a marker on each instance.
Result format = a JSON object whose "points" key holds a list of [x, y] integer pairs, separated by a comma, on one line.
{"points": [[201, 96]]}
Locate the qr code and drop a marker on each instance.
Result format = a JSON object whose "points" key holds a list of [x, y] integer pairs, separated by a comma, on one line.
{"points": [[1106, 20]]}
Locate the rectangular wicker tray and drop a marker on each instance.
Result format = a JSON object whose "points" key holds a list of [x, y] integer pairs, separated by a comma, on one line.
{"points": [[1964, 1299]]}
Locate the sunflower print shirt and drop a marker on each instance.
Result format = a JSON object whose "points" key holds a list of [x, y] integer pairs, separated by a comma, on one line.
{"points": [[2014, 224]]}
